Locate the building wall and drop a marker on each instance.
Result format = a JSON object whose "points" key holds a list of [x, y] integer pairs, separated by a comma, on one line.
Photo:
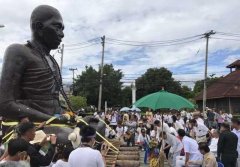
{"points": [[222, 104]]}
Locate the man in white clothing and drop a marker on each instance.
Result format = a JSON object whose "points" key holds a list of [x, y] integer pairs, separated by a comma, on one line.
{"points": [[214, 142], [191, 151], [85, 156], [158, 116], [175, 144], [159, 125], [200, 131]]}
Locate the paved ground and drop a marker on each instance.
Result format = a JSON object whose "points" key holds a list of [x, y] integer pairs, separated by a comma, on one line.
{"points": [[142, 163]]}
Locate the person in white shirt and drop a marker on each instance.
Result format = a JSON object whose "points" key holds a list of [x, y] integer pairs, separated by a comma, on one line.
{"points": [[189, 115], [214, 141], [170, 118], [159, 125], [153, 130], [175, 144], [113, 120], [196, 116], [143, 138], [236, 130], [132, 125], [200, 131], [85, 156], [191, 151], [64, 161], [172, 130], [158, 116], [120, 130], [177, 125]]}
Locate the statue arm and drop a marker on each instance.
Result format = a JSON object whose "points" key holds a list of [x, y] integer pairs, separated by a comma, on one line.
{"points": [[13, 68]]}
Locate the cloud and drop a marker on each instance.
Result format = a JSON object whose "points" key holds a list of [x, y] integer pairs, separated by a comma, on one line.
{"points": [[140, 20]]}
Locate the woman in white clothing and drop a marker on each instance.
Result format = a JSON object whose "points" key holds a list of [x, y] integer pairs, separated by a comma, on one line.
{"points": [[176, 146]]}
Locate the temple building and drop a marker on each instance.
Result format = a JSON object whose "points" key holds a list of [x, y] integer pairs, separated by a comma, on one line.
{"points": [[224, 94]]}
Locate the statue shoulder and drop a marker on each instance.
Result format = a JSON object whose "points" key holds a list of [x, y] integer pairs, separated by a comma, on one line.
{"points": [[16, 50]]}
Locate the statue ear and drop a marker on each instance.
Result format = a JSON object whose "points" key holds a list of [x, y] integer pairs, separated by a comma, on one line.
{"points": [[38, 26]]}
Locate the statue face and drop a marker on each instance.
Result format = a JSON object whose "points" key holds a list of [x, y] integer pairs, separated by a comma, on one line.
{"points": [[52, 32]]}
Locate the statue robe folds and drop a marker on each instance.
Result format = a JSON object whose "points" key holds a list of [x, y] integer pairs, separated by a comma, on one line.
{"points": [[27, 85]]}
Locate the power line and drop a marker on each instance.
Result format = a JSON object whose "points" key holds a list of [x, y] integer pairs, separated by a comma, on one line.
{"points": [[228, 34], [155, 42], [84, 43], [70, 49], [153, 45], [225, 38]]}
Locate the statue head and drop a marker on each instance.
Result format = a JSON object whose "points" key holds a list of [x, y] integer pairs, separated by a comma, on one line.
{"points": [[47, 26]]}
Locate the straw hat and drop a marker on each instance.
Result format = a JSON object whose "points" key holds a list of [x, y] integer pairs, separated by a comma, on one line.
{"points": [[75, 138]]}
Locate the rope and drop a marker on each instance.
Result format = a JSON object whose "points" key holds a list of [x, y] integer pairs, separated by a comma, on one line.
{"points": [[117, 150]]}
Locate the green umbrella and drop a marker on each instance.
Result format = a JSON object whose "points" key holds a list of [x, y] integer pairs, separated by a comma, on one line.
{"points": [[164, 100]]}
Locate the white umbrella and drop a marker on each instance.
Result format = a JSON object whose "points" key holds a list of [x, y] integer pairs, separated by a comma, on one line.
{"points": [[125, 109], [134, 108]]}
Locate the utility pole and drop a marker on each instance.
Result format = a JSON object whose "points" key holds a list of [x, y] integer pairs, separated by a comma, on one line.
{"points": [[61, 50], [207, 36], [133, 86], [101, 75], [73, 70]]}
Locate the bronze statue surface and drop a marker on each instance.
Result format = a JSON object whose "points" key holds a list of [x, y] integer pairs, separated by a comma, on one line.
{"points": [[30, 81]]}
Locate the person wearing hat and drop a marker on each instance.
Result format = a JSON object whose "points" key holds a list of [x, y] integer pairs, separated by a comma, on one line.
{"points": [[75, 138], [85, 155]]}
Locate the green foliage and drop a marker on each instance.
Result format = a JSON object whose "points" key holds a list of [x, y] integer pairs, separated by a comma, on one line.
{"points": [[112, 85], [154, 79], [187, 92], [199, 84], [126, 96], [87, 85], [78, 102]]}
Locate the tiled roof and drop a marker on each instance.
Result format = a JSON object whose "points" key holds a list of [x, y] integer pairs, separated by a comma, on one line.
{"points": [[228, 86]]}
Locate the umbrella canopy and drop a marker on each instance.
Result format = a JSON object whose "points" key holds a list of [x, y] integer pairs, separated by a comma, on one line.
{"points": [[124, 109], [164, 100], [134, 108]]}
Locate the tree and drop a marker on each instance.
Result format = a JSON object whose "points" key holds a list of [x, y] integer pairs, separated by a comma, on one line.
{"points": [[87, 85], [154, 80], [198, 87], [78, 102], [126, 96], [187, 92], [112, 85]]}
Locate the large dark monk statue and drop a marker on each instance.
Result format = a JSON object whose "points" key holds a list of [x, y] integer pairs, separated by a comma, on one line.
{"points": [[31, 81]]}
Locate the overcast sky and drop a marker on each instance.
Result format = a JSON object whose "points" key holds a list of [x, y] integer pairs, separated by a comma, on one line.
{"points": [[135, 20]]}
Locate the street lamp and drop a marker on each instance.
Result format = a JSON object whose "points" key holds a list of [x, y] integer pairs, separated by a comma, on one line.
{"points": [[1, 25]]}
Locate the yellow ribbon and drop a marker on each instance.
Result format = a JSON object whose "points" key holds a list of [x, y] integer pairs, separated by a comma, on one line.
{"points": [[101, 136], [14, 123], [8, 134], [105, 124]]}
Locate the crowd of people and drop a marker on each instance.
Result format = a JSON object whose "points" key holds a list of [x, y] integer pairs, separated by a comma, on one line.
{"points": [[186, 138]]}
